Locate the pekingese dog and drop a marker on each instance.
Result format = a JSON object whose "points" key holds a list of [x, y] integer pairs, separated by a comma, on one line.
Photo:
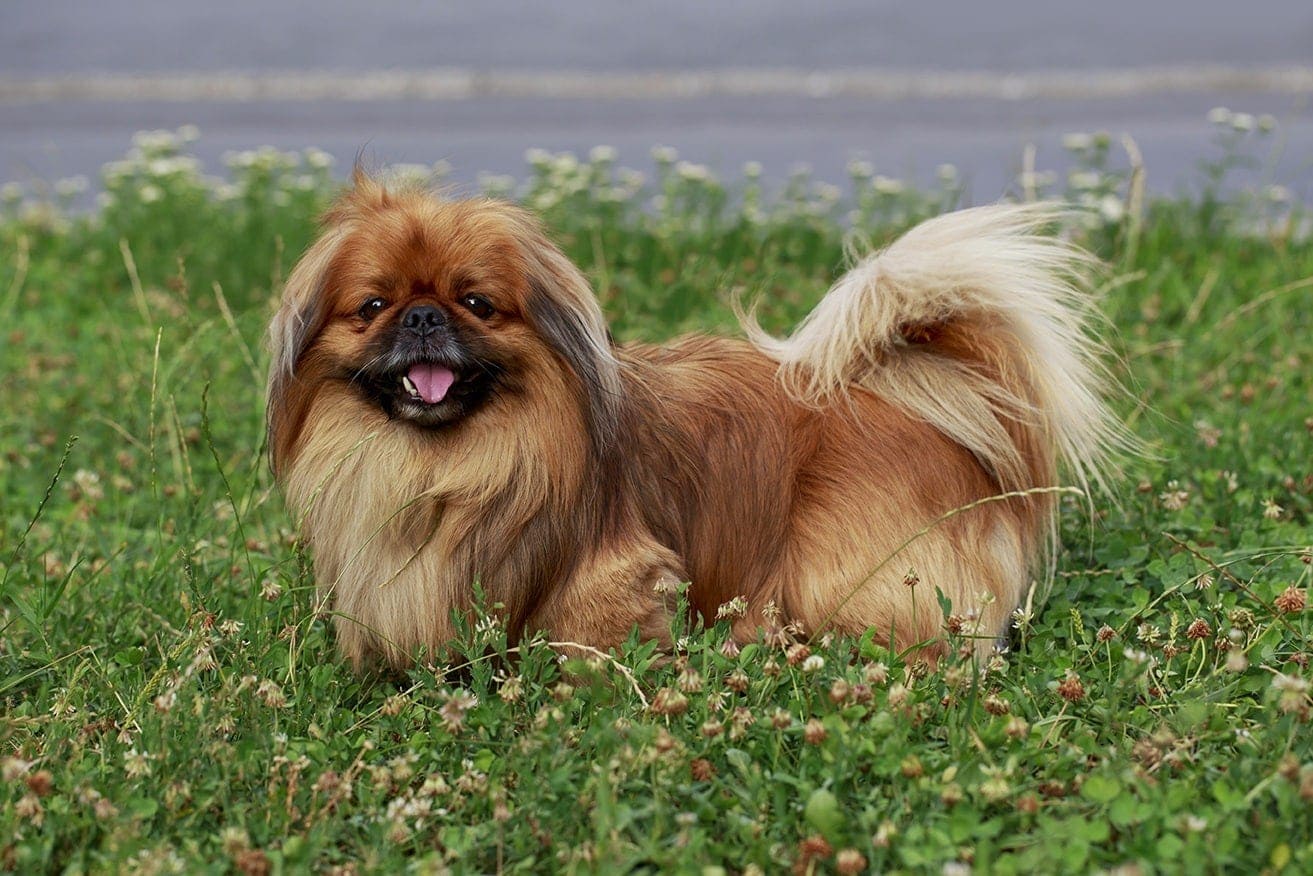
{"points": [[446, 408]]}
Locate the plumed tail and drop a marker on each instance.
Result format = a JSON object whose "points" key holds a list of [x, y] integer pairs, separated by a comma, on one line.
{"points": [[977, 322]]}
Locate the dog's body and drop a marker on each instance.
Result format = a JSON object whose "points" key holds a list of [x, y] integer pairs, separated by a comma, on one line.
{"points": [[906, 439]]}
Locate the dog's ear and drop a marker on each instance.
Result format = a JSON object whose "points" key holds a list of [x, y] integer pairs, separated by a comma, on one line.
{"points": [[305, 309], [564, 311], [300, 317]]}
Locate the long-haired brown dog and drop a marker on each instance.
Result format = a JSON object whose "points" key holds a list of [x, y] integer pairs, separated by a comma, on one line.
{"points": [[446, 409]]}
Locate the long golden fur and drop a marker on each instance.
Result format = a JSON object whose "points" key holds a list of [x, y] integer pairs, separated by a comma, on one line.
{"points": [[575, 480]]}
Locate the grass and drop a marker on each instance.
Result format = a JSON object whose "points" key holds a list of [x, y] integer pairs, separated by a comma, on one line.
{"points": [[173, 701]]}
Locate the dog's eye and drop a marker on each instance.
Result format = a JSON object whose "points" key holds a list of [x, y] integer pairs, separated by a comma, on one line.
{"points": [[371, 308], [478, 305]]}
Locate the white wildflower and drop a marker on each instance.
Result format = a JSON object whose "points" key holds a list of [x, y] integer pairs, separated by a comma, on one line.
{"points": [[1077, 142], [886, 185], [664, 154]]}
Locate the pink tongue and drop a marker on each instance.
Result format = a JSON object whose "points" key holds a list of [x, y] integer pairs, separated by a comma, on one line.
{"points": [[432, 381]]}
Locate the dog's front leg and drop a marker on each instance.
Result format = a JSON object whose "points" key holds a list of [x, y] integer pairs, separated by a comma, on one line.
{"points": [[613, 590]]}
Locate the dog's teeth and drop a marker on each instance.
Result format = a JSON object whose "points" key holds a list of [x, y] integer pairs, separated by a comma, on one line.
{"points": [[410, 386]]}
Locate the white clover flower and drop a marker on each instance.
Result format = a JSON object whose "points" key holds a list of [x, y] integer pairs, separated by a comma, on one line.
{"points": [[104, 200], [1111, 208], [813, 663], [1293, 692], [150, 193], [828, 194], [149, 142], [318, 159], [266, 156], [226, 192], [1084, 179], [602, 154], [861, 169], [73, 185], [665, 154], [1266, 123], [239, 160], [175, 165], [1277, 194], [137, 763], [305, 182], [116, 171], [888, 185], [496, 185], [1219, 115], [1242, 122], [11, 192], [1174, 498], [736, 607], [946, 172], [1134, 655], [1077, 142], [752, 169], [441, 169], [692, 172], [565, 163], [536, 157], [632, 179], [408, 174], [545, 200]]}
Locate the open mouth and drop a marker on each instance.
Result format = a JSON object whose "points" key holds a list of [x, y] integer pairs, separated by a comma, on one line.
{"points": [[427, 382], [429, 393]]}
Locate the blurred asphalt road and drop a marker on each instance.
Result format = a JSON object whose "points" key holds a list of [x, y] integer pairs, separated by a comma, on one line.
{"points": [[783, 83]]}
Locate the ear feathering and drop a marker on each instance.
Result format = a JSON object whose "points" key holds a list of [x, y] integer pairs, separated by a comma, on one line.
{"points": [[298, 318], [565, 312]]}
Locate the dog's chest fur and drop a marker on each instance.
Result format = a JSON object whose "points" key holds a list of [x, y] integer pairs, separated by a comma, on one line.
{"points": [[398, 521]]}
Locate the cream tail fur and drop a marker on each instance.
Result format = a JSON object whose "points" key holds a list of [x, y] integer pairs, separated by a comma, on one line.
{"points": [[978, 323]]}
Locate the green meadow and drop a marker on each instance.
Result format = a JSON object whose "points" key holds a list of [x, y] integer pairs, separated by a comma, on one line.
{"points": [[172, 699]]}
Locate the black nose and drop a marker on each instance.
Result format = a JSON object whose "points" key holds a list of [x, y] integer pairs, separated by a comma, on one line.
{"points": [[423, 320]]}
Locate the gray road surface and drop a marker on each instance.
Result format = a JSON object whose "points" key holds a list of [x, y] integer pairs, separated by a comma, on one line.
{"points": [[1152, 69]]}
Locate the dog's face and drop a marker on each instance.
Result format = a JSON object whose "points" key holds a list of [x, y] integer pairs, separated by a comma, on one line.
{"points": [[424, 315], [432, 311]]}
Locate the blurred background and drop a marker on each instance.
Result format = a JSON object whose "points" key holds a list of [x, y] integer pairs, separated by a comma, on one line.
{"points": [[990, 88]]}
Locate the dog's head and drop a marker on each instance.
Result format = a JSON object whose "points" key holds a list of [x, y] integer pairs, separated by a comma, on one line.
{"points": [[433, 311]]}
